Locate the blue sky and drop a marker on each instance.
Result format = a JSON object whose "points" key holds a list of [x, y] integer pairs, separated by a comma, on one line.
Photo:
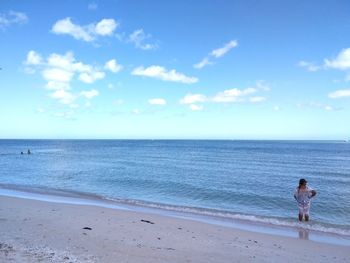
{"points": [[175, 69]]}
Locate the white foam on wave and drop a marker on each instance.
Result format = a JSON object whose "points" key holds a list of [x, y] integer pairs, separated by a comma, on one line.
{"points": [[269, 221], [236, 220]]}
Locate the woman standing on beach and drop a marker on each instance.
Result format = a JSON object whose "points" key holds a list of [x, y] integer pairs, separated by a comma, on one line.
{"points": [[303, 195]]}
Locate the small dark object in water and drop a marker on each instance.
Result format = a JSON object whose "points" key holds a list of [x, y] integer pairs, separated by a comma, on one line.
{"points": [[21, 152], [146, 221], [29, 151], [87, 228]]}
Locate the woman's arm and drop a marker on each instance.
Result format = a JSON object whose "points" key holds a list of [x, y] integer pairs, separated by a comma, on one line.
{"points": [[296, 194], [313, 193]]}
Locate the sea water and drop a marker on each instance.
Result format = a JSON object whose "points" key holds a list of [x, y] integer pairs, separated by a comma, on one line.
{"points": [[235, 180]]}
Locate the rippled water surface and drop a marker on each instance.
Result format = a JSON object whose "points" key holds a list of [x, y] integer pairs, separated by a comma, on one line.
{"points": [[248, 179]]}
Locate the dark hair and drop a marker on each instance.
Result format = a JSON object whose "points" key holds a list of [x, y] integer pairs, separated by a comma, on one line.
{"points": [[301, 182]]}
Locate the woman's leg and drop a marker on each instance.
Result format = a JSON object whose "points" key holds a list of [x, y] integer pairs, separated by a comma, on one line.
{"points": [[307, 212], [301, 217], [301, 213]]}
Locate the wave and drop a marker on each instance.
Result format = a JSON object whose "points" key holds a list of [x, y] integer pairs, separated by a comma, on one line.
{"points": [[243, 218], [219, 216]]}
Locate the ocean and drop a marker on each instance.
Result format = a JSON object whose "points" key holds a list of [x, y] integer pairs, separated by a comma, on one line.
{"points": [[235, 180]]}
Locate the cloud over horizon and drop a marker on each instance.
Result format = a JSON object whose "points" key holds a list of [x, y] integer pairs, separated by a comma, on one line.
{"points": [[234, 95]]}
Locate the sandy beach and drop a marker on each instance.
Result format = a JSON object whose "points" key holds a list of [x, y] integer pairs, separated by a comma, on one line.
{"points": [[38, 231]]}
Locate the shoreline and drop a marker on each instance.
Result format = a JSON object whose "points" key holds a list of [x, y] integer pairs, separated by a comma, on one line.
{"points": [[41, 231], [298, 231]]}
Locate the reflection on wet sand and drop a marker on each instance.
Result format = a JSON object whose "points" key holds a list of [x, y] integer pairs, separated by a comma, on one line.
{"points": [[303, 233]]}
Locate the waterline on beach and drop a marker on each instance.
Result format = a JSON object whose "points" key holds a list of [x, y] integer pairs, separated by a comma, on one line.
{"points": [[279, 227]]}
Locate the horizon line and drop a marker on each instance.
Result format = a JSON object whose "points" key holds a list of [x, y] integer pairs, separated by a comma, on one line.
{"points": [[173, 139]]}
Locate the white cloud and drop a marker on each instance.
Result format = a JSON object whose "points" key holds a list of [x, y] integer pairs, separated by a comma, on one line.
{"points": [[12, 17], [233, 95], [106, 27], [66, 63], [157, 101], [195, 107], [61, 61], [193, 98], [223, 50], [339, 94], [81, 67], [65, 26], [89, 94], [203, 63], [91, 77], [330, 108], [113, 66], [342, 61], [63, 96], [139, 38], [217, 53], [57, 85], [57, 74], [33, 58], [309, 66], [163, 74], [87, 33], [250, 95], [59, 71]]}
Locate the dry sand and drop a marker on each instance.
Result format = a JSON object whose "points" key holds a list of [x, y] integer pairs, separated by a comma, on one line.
{"points": [[38, 231]]}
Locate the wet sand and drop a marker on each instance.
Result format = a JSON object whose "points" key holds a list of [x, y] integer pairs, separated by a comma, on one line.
{"points": [[39, 231]]}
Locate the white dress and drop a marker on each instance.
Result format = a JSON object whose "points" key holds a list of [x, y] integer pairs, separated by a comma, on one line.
{"points": [[303, 198]]}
